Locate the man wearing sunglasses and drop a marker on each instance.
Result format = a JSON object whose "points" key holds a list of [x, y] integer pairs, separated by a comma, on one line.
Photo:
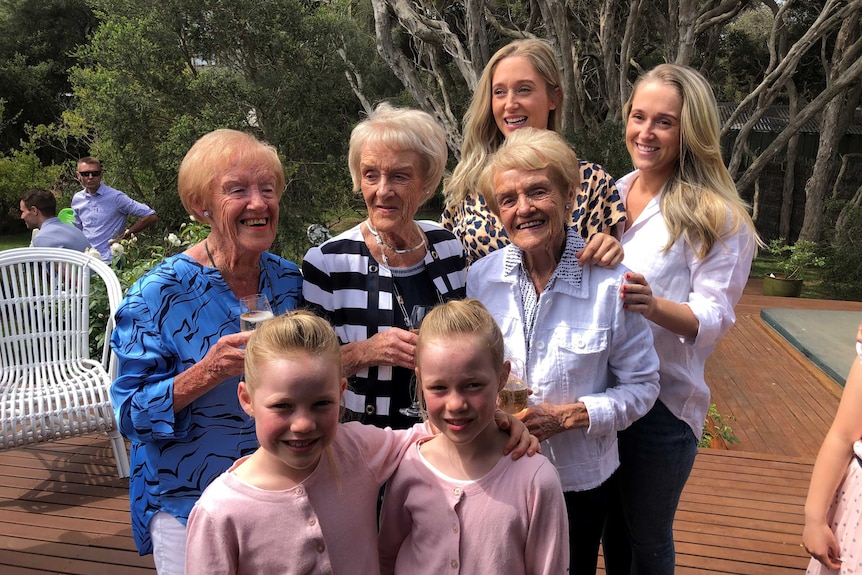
{"points": [[101, 211]]}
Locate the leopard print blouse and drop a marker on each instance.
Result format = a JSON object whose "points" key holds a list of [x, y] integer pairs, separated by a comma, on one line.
{"points": [[597, 208]]}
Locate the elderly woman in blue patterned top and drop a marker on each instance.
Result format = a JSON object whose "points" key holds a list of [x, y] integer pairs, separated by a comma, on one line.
{"points": [[368, 279], [179, 344]]}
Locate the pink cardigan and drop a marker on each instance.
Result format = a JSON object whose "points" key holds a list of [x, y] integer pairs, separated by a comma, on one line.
{"points": [[327, 524], [512, 520]]}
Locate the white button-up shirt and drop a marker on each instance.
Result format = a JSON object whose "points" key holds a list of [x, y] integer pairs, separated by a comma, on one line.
{"points": [[711, 287], [583, 347]]}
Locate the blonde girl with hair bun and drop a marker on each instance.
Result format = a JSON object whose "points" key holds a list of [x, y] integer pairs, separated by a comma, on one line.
{"points": [[312, 485]]}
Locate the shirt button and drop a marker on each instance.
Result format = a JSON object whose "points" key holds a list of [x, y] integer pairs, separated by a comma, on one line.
{"points": [[453, 564], [457, 492], [582, 344], [455, 528], [312, 521], [299, 491], [321, 547], [541, 345]]}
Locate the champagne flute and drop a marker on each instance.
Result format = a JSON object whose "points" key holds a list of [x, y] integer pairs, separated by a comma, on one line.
{"points": [[417, 314], [253, 310]]}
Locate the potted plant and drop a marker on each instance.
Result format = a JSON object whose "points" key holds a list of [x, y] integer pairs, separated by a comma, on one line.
{"points": [[792, 261]]}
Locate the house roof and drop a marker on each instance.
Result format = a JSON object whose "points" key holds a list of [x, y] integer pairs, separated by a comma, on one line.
{"points": [[776, 119]]}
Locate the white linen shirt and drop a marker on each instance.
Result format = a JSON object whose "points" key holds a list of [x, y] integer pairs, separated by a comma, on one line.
{"points": [[710, 287], [584, 347]]}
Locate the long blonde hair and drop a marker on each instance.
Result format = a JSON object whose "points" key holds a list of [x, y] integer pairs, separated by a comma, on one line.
{"points": [[700, 194], [481, 135]]}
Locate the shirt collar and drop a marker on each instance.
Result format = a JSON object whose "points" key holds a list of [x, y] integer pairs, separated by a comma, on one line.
{"points": [[568, 270]]}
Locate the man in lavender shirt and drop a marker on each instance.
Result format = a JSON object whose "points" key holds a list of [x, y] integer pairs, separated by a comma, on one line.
{"points": [[101, 211]]}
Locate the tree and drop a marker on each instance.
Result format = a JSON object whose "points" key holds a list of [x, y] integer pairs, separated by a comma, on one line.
{"points": [[158, 75], [37, 38]]}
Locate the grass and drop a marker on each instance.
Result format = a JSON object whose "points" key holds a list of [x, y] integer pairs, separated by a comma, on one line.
{"points": [[21, 240]]}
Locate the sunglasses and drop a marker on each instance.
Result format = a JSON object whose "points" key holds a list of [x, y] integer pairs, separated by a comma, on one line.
{"points": [[92, 173]]}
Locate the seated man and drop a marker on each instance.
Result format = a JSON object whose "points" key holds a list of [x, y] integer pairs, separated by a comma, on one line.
{"points": [[39, 212]]}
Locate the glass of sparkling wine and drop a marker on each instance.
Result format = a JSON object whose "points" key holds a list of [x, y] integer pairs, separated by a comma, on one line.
{"points": [[253, 310], [417, 314], [513, 396]]}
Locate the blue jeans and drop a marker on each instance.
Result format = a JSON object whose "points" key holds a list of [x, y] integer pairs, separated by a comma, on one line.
{"points": [[656, 456]]}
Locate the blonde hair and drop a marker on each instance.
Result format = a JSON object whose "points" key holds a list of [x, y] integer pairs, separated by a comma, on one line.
{"points": [[700, 193], [402, 129], [212, 155], [294, 332], [531, 149], [481, 135], [462, 317]]}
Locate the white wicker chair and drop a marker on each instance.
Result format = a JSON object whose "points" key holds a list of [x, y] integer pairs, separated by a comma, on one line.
{"points": [[49, 387]]}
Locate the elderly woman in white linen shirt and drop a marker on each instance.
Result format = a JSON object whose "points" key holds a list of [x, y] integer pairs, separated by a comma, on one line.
{"points": [[591, 365]]}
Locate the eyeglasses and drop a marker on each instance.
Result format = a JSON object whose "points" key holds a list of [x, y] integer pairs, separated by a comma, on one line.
{"points": [[92, 173]]}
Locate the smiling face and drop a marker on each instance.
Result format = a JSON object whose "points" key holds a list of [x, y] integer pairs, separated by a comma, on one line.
{"points": [[392, 186], [519, 96], [295, 404], [460, 384], [532, 209], [243, 208], [653, 130], [30, 216]]}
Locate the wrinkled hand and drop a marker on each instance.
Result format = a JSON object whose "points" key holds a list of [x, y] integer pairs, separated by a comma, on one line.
{"points": [[542, 420], [394, 346], [602, 250], [520, 440], [820, 542], [637, 295], [226, 357]]}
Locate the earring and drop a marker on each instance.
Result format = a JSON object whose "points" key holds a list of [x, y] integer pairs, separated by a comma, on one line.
{"points": [[568, 206], [206, 214]]}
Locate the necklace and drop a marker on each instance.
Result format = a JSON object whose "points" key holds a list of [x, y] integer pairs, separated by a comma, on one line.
{"points": [[398, 297], [382, 242], [209, 255]]}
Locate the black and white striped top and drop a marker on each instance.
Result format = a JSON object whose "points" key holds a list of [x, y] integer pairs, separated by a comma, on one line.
{"points": [[345, 284]]}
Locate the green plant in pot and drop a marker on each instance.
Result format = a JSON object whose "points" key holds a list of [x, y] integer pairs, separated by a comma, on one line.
{"points": [[792, 261]]}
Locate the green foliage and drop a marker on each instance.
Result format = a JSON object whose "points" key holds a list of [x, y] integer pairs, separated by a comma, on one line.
{"points": [[717, 426], [20, 171], [37, 38], [132, 259], [793, 259], [604, 145], [843, 270], [157, 76]]}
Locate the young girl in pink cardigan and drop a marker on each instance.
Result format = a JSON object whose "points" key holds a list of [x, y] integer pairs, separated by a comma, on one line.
{"points": [[455, 505], [306, 500]]}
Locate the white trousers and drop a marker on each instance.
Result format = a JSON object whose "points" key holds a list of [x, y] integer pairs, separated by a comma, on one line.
{"points": [[169, 544]]}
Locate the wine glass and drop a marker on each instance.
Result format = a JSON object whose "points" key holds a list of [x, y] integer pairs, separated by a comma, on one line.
{"points": [[253, 310], [417, 314], [513, 396]]}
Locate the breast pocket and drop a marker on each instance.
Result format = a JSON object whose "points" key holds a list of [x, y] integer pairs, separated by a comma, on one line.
{"points": [[582, 360]]}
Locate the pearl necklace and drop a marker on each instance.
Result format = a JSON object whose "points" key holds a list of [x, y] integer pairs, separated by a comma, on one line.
{"points": [[381, 242]]}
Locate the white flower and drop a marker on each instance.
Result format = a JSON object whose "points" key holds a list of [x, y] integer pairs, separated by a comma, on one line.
{"points": [[173, 240], [192, 218], [93, 253], [117, 250]]}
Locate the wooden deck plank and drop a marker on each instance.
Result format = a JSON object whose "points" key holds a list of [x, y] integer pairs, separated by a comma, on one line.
{"points": [[64, 511]]}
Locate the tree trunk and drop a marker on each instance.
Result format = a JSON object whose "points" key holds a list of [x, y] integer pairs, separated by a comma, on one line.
{"points": [[789, 169]]}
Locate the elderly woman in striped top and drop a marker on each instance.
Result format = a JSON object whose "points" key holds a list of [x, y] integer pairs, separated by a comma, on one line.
{"points": [[367, 280]]}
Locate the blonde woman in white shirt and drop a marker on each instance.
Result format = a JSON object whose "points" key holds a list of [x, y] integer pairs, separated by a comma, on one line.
{"points": [[690, 241]]}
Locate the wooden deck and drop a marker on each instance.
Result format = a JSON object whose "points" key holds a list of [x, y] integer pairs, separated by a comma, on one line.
{"points": [[62, 509]]}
